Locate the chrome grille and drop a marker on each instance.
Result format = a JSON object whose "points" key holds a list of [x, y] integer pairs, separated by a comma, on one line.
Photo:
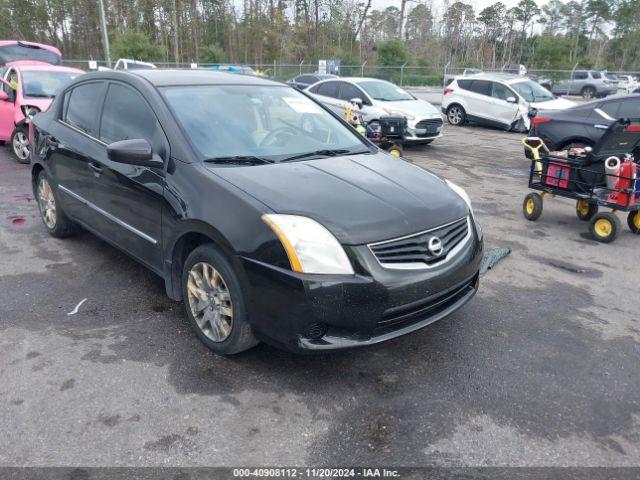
{"points": [[413, 251]]}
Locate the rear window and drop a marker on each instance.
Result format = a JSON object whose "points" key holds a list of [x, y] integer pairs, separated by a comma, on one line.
{"points": [[464, 84], [80, 106], [482, 87], [21, 51]]}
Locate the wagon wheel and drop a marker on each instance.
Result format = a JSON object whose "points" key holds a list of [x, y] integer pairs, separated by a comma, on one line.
{"points": [[585, 210], [633, 220], [604, 227], [532, 207]]}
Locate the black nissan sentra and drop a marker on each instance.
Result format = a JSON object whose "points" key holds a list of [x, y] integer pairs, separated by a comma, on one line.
{"points": [[269, 216]]}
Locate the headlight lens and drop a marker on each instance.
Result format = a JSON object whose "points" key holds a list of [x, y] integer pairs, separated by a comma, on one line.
{"points": [[310, 246], [460, 191], [30, 111]]}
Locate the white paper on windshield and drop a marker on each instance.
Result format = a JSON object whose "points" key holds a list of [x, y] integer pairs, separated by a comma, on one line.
{"points": [[302, 105]]}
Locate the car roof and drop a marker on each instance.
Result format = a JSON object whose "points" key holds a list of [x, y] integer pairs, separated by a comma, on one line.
{"points": [[502, 77], [173, 77], [44, 46]]}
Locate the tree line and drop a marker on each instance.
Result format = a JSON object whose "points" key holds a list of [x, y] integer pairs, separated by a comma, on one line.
{"points": [[556, 34]]}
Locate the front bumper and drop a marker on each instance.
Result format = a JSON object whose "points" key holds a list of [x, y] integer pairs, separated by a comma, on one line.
{"points": [[425, 129], [374, 305]]}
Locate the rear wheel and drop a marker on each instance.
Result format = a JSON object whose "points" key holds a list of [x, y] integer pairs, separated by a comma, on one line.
{"points": [[588, 92], [20, 144], [532, 207], [585, 210], [54, 219], [604, 227], [456, 115], [633, 220], [214, 301]]}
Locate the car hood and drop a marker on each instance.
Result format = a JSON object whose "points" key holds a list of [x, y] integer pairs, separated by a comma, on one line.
{"points": [[555, 104], [415, 108], [359, 198]]}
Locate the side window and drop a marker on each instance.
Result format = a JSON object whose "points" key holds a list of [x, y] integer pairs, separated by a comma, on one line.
{"points": [[481, 87], [611, 108], [630, 108], [580, 75], [328, 89], [306, 79], [596, 75], [500, 91], [80, 109], [127, 116], [465, 84], [348, 91]]}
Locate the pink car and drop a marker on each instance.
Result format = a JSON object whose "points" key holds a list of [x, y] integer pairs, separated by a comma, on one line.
{"points": [[12, 50], [28, 87]]}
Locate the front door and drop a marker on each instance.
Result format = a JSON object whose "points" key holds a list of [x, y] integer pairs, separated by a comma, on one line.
{"points": [[130, 196], [6, 111]]}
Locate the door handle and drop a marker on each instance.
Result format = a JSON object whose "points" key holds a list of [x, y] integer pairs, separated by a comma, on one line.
{"points": [[600, 126], [97, 169]]}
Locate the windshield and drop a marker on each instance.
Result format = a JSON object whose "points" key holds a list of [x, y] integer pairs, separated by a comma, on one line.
{"points": [[384, 91], [44, 84], [531, 91], [11, 53], [611, 76], [269, 122]]}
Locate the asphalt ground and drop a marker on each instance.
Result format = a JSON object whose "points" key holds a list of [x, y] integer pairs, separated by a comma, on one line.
{"points": [[540, 369]]}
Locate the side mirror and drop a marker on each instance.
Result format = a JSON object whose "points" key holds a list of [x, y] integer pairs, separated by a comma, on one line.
{"points": [[4, 96], [512, 100], [357, 101], [136, 151]]}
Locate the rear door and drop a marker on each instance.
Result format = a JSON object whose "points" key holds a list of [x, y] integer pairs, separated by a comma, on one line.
{"points": [[478, 99], [129, 196], [328, 93], [73, 144]]}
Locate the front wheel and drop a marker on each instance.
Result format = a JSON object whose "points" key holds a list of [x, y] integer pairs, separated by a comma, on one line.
{"points": [[20, 144], [532, 207], [604, 227], [456, 115], [214, 301]]}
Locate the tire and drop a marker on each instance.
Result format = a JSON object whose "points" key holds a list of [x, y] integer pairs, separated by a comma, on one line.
{"points": [[588, 93], [55, 220], [532, 207], [585, 210], [395, 150], [604, 227], [222, 323], [20, 145], [633, 220], [456, 115]]}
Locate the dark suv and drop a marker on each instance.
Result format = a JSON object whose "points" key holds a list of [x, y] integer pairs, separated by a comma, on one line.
{"points": [[268, 215]]}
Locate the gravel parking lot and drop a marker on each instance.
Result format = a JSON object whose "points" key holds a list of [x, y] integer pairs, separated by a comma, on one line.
{"points": [[541, 368]]}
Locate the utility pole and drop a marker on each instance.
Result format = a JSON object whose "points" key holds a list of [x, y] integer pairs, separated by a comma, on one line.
{"points": [[105, 35]]}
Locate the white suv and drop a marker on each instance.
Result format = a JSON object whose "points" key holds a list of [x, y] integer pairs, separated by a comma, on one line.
{"points": [[497, 100]]}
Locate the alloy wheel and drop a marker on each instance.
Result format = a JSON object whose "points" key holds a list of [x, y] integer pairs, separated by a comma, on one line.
{"points": [[47, 204], [455, 116], [210, 301], [21, 145]]}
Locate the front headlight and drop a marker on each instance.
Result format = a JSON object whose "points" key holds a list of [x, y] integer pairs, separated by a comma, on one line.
{"points": [[311, 248], [460, 191], [30, 111]]}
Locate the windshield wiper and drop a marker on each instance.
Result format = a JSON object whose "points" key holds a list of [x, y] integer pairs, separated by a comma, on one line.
{"points": [[239, 159], [321, 153]]}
